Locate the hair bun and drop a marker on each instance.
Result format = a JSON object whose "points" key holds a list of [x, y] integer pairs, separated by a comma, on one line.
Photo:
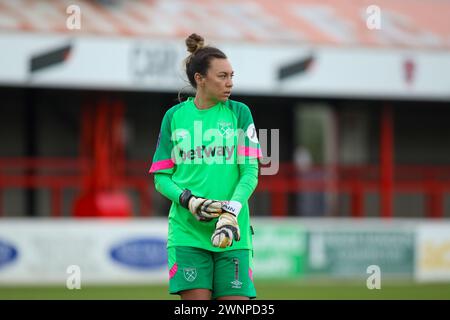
{"points": [[194, 42]]}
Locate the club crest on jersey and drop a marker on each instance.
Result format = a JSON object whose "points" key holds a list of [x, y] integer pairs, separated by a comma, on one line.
{"points": [[225, 128], [190, 274]]}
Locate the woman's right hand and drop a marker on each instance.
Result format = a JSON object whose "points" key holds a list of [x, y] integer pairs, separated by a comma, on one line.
{"points": [[205, 209]]}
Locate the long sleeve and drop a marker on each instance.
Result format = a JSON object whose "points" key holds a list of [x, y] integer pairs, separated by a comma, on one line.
{"points": [[165, 185], [163, 165], [248, 153], [247, 182]]}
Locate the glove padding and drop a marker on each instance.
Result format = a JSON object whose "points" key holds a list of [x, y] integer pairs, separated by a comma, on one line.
{"points": [[227, 230], [204, 209]]}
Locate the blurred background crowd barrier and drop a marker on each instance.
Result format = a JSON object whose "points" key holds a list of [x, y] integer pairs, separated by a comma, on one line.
{"points": [[40, 252]]}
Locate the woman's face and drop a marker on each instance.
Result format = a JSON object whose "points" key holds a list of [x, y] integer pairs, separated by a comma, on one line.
{"points": [[217, 83]]}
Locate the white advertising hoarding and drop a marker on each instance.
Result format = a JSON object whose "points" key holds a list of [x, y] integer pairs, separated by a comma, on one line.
{"points": [[433, 252], [105, 251], [114, 251], [290, 70]]}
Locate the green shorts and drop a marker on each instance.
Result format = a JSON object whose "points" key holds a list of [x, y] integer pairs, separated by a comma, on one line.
{"points": [[227, 273]]}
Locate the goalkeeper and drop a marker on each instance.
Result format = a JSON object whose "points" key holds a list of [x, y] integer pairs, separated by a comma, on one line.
{"points": [[206, 163]]}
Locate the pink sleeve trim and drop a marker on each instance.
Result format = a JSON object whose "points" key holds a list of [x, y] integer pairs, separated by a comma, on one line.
{"points": [[161, 165], [249, 152]]}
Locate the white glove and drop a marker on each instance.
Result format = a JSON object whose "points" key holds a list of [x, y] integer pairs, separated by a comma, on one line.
{"points": [[204, 209], [227, 230]]}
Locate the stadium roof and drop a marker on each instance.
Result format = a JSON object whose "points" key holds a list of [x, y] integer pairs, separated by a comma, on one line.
{"points": [[421, 24]]}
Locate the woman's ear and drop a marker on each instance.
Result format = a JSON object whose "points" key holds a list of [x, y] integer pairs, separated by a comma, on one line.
{"points": [[199, 79]]}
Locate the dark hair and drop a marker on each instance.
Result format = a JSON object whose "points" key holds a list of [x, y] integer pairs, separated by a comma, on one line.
{"points": [[200, 57]]}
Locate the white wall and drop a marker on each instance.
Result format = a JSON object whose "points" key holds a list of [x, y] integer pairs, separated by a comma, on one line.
{"points": [[138, 64]]}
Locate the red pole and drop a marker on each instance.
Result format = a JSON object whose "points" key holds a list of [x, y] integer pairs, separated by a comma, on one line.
{"points": [[56, 201], [435, 200], [386, 161], [357, 200], [118, 143], [100, 142], [279, 200], [146, 200], [87, 124], [102, 146]]}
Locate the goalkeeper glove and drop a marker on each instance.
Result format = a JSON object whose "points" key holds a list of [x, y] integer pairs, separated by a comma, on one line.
{"points": [[203, 209], [227, 228]]}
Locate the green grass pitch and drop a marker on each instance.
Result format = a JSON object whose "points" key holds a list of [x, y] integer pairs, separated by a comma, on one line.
{"points": [[289, 290]]}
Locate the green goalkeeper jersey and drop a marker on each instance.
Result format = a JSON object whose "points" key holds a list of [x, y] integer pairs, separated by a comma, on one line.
{"points": [[214, 153]]}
